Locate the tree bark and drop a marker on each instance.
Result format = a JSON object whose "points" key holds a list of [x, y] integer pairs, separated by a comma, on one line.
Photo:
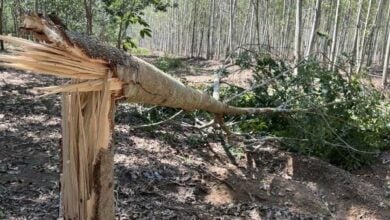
{"points": [[231, 27], [256, 4], [364, 36], [286, 34], [373, 35], [1, 23], [193, 41], [333, 57], [210, 30], [387, 29], [244, 27], [386, 61], [88, 5], [119, 37], [355, 38], [297, 44], [315, 25]]}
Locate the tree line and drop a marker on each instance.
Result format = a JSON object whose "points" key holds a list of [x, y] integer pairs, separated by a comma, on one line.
{"points": [[351, 32]]}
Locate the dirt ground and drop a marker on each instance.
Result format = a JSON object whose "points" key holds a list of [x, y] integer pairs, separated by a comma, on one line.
{"points": [[176, 172]]}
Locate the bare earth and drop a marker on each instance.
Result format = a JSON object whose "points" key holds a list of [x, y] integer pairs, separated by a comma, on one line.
{"points": [[176, 172]]}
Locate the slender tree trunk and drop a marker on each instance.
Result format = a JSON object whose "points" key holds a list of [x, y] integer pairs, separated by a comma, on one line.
{"points": [[257, 14], [297, 44], [119, 38], [244, 27], [1, 23], [267, 26], [364, 36], [88, 6], [355, 38], [220, 32], [17, 11], [374, 33], [210, 31], [386, 61], [346, 24], [200, 43], [286, 36], [251, 28], [334, 37], [387, 29], [328, 25], [316, 22], [193, 41], [231, 27], [283, 27]]}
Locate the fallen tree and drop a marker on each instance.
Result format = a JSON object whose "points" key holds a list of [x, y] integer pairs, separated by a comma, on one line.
{"points": [[100, 75]]}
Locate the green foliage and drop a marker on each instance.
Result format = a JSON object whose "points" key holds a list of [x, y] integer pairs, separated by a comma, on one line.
{"points": [[168, 63], [244, 59], [129, 44], [125, 12], [348, 118]]}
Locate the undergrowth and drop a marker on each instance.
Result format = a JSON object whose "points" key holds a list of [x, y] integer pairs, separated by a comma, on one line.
{"points": [[168, 63], [348, 122]]}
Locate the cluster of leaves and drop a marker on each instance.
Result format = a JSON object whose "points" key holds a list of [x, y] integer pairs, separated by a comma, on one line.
{"points": [[130, 12], [244, 59], [348, 121], [168, 63]]}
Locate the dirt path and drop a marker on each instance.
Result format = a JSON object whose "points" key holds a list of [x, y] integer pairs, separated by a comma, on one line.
{"points": [[174, 172]]}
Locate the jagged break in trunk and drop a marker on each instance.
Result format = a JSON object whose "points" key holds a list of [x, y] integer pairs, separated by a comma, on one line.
{"points": [[87, 156]]}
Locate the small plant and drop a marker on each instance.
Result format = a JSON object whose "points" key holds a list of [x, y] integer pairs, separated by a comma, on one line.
{"points": [[168, 63], [244, 59]]}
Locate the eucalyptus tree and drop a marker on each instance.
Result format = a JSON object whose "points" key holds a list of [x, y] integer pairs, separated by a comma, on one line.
{"points": [[315, 25], [126, 12], [89, 5], [333, 57], [1, 23], [360, 52], [297, 38], [386, 61]]}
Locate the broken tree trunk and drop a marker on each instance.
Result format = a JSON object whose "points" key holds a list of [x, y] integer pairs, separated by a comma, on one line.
{"points": [[87, 158], [99, 75]]}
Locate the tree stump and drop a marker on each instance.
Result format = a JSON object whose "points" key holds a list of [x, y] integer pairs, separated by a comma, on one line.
{"points": [[87, 181]]}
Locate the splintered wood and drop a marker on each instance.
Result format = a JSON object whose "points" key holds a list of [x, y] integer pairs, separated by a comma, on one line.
{"points": [[87, 178], [59, 62]]}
